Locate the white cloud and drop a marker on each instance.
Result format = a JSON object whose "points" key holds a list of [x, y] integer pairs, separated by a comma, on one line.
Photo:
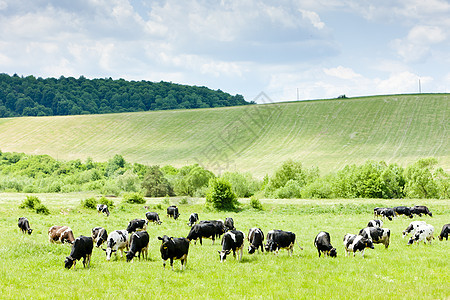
{"points": [[341, 72], [313, 18]]}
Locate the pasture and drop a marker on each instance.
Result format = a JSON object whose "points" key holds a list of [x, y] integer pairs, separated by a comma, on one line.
{"points": [[32, 268]]}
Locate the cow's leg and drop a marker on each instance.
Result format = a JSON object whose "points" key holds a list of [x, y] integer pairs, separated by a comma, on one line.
{"points": [[171, 263], [362, 253], [164, 264], [200, 238]]}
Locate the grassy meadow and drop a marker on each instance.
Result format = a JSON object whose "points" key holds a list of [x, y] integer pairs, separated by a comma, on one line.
{"points": [[32, 268]]}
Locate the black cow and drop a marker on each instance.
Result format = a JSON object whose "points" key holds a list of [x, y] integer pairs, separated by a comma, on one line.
{"points": [[137, 225], [202, 230], [444, 232], [153, 217], [354, 243], [103, 208], [138, 243], [255, 240], [323, 244], [218, 225], [81, 248], [24, 225], [172, 212], [385, 212], [420, 209], [174, 248], [375, 223], [377, 235], [232, 240], [229, 224], [279, 239], [99, 236], [193, 219], [403, 210]]}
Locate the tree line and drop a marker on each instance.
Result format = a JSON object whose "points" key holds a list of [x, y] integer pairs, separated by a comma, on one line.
{"points": [[30, 96]]}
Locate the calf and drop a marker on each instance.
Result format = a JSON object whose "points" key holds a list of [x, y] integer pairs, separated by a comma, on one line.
{"points": [[232, 240], [412, 227], [81, 248], [103, 208], [255, 239], [423, 233], [323, 244], [99, 236], [193, 219], [60, 234], [420, 209], [24, 225], [377, 235], [219, 227], [444, 232], [375, 223], [229, 224], [354, 243], [202, 230], [385, 212], [137, 225], [138, 243], [117, 240], [153, 217], [172, 212], [279, 239], [174, 248], [403, 210]]}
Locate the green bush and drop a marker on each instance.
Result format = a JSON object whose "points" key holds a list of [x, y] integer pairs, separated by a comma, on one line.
{"points": [[319, 189], [90, 203], [255, 203], [221, 196], [134, 198], [104, 200], [30, 202], [42, 209], [155, 184]]}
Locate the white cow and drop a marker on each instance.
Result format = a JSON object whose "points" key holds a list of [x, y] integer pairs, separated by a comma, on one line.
{"points": [[117, 240], [412, 227], [423, 233]]}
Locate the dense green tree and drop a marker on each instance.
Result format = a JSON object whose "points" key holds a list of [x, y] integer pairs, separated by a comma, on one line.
{"points": [[221, 196]]}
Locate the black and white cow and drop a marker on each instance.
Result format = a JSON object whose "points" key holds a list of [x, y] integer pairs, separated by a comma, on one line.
{"points": [[232, 240], [412, 227], [354, 243], [323, 244], [420, 209], [218, 225], [423, 233], [193, 219], [375, 223], [172, 212], [174, 248], [377, 235], [103, 208], [279, 239], [99, 236], [117, 240], [153, 217], [137, 225], [24, 225], [255, 239], [202, 230], [81, 248], [138, 244], [403, 210], [229, 224], [385, 212], [444, 232]]}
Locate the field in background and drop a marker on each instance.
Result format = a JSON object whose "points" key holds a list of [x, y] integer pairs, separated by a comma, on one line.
{"points": [[257, 138], [31, 267]]}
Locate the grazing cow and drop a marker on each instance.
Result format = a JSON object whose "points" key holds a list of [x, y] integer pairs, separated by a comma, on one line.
{"points": [[172, 212], [81, 248], [153, 217], [174, 248], [202, 230], [377, 235], [117, 240], [24, 225], [444, 232], [138, 243], [229, 224], [423, 233], [375, 223], [279, 239], [385, 212], [137, 225], [232, 240], [412, 227], [255, 239], [103, 208], [60, 234], [403, 210], [420, 209], [323, 244], [193, 219], [353, 243], [218, 225], [377, 212], [99, 236]]}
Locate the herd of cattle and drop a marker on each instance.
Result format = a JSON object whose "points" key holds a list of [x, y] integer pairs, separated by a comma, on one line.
{"points": [[135, 239]]}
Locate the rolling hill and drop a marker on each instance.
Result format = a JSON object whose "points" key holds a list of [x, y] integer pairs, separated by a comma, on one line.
{"points": [[255, 138]]}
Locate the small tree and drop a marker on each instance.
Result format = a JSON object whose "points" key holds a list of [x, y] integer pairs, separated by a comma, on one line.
{"points": [[155, 184], [220, 195]]}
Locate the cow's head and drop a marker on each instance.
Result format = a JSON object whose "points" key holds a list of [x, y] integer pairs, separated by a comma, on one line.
{"points": [[30, 230], [165, 246], [271, 246], [69, 262], [223, 254], [333, 252], [369, 244], [251, 249], [130, 255], [108, 251]]}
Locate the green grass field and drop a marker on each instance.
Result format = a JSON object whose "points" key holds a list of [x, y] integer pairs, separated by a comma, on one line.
{"points": [[257, 138], [32, 268]]}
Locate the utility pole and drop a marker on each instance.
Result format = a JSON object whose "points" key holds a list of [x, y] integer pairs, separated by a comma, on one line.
{"points": [[298, 97], [420, 88]]}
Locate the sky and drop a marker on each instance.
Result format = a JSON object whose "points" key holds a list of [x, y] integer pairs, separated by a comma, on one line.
{"points": [[287, 49]]}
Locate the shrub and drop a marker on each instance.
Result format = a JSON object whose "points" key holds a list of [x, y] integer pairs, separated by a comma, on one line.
{"points": [[319, 189], [255, 203], [292, 189], [42, 209], [104, 200], [134, 198], [90, 203], [30, 202], [243, 183], [220, 195], [155, 184]]}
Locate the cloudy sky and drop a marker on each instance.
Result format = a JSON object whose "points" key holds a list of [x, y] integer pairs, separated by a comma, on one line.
{"points": [[316, 48]]}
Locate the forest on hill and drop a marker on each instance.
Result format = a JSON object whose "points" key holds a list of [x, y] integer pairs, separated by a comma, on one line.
{"points": [[30, 96]]}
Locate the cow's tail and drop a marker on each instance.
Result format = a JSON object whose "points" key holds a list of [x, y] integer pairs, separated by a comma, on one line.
{"points": [[299, 246]]}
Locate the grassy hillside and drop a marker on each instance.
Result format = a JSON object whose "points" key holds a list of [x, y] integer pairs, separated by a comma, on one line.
{"points": [[256, 138]]}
